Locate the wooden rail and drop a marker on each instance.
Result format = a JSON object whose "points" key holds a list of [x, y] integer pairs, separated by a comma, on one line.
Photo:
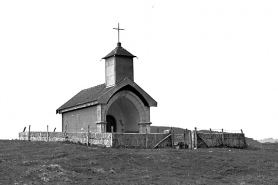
{"points": [[161, 141]]}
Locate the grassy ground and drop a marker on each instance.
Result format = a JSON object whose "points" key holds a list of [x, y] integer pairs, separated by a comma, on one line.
{"points": [[23, 162]]}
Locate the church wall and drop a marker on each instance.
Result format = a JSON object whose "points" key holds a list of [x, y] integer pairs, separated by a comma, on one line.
{"points": [[132, 121], [78, 120]]}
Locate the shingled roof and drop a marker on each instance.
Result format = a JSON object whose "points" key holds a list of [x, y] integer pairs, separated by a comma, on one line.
{"points": [[85, 96], [119, 51], [102, 94]]}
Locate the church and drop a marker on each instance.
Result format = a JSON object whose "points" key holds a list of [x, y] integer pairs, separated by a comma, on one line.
{"points": [[119, 105]]}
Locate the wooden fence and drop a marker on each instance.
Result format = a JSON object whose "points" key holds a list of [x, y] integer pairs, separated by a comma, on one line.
{"points": [[188, 140]]}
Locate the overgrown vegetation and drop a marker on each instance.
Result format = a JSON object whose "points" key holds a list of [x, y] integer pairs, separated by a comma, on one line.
{"points": [[23, 162]]}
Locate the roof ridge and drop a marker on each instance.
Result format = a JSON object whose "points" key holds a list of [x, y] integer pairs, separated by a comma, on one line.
{"points": [[93, 87]]}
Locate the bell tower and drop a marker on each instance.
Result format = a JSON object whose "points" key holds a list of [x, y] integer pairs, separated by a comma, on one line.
{"points": [[118, 64]]}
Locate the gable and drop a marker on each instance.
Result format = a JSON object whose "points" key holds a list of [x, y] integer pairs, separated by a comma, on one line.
{"points": [[128, 84]]}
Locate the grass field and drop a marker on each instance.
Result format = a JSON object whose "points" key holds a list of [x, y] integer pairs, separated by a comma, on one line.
{"points": [[23, 162]]}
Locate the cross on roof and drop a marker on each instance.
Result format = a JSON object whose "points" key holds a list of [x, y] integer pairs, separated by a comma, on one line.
{"points": [[118, 32]]}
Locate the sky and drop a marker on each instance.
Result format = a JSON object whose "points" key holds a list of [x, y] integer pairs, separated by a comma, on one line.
{"points": [[208, 64]]}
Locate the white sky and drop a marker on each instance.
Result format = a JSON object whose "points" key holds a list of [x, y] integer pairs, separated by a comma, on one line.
{"points": [[208, 64]]}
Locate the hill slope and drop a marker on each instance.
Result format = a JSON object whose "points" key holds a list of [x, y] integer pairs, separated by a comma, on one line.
{"points": [[269, 140], [24, 162]]}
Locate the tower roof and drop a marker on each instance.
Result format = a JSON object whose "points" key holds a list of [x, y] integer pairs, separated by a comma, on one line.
{"points": [[119, 51]]}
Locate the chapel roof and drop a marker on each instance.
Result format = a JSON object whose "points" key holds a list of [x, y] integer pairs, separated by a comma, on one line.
{"points": [[119, 51], [101, 94], [85, 96]]}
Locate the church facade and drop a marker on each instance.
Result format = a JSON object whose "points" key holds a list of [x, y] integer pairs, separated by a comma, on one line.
{"points": [[118, 105]]}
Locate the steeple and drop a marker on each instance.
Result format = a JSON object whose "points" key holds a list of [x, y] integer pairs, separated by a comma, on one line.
{"points": [[118, 65]]}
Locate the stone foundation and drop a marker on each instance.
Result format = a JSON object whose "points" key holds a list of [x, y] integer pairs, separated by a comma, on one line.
{"points": [[94, 138]]}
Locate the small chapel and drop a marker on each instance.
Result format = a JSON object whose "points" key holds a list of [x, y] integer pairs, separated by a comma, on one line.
{"points": [[119, 105]]}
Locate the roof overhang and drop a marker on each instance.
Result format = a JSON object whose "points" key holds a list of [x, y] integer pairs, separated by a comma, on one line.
{"points": [[119, 51], [76, 107]]}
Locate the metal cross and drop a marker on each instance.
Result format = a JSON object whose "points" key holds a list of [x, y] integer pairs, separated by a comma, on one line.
{"points": [[118, 31]]}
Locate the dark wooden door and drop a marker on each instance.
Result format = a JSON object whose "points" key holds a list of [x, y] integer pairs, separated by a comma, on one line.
{"points": [[111, 122]]}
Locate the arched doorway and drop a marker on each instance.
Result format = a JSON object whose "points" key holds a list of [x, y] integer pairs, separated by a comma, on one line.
{"points": [[129, 111], [126, 115], [111, 122]]}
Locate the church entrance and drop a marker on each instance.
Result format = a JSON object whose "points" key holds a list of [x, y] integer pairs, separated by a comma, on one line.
{"points": [[126, 115], [111, 122]]}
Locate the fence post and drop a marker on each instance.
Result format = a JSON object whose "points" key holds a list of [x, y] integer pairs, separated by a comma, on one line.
{"points": [[243, 138], [88, 136], [47, 134], [189, 140], [29, 133], [112, 137], [172, 137], [65, 133], [184, 138], [146, 139], [195, 138], [223, 141]]}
